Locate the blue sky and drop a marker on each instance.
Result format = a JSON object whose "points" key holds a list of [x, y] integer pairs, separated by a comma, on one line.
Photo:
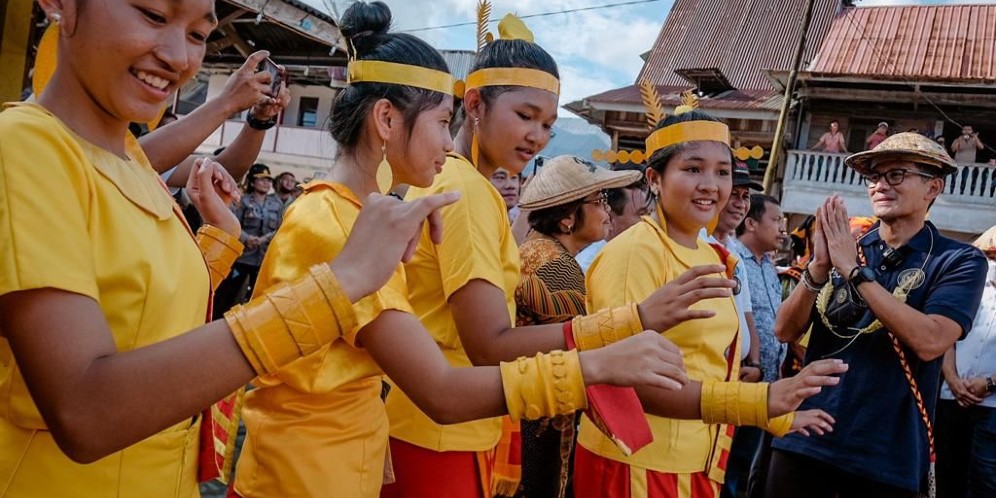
{"points": [[597, 50]]}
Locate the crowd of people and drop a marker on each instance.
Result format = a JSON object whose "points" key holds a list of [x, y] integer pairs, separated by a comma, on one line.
{"points": [[587, 332], [964, 148]]}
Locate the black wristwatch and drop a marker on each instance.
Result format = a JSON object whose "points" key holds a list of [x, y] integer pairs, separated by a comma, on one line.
{"points": [[990, 385], [860, 275], [260, 125]]}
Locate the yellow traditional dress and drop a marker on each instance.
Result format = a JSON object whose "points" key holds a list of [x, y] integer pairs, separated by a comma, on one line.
{"points": [[477, 244], [318, 427], [689, 454], [78, 218]]}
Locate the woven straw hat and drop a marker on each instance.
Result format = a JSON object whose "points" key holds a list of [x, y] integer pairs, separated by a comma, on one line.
{"points": [[987, 241], [904, 147], [567, 178]]}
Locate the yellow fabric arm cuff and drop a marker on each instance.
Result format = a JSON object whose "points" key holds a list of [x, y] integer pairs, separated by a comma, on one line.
{"points": [[735, 403], [220, 250], [606, 327], [780, 426], [292, 320], [544, 385]]}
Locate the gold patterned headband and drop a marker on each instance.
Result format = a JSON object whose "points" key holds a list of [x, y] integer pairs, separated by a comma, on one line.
{"points": [[359, 71], [688, 131]]}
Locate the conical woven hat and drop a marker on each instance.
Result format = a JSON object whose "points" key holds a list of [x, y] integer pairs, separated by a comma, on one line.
{"points": [[567, 178], [904, 147]]}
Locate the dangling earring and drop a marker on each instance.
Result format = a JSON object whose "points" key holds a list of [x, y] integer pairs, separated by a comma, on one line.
{"points": [[475, 148], [385, 177], [570, 229]]}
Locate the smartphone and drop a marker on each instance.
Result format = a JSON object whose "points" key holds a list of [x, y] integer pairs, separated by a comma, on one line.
{"points": [[276, 75]]}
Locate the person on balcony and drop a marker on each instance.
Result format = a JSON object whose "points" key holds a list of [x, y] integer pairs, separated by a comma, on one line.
{"points": [[890, 305], [880, 134], [966, 146], [832, 140]]}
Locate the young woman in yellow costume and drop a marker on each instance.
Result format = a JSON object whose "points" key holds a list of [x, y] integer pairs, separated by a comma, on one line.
{"points": [[106, 358], [318, 427], [463, 289], [690, 173]]}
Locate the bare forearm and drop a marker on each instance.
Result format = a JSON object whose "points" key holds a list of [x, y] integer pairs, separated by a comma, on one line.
{"points": [[754, 355], [685, 404], [170, 145], [949, 366], [795, 315], [123, 398], [513, 342], [239, 155]]}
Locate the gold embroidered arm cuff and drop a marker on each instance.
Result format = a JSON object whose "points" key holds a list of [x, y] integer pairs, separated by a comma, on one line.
{"points": [[544, 385], [606, 327], [291, 320], [780, 426], [735, 403], [220, 250]]}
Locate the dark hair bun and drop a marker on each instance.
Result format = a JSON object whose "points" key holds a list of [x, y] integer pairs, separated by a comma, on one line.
{"points": [[363, 23]]}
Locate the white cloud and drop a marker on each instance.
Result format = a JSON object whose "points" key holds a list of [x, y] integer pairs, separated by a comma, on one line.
{"points": [[597, 50]]}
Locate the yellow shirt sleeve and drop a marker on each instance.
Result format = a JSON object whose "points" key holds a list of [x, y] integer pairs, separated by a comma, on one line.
{"points": [[470, 249], [623, 272], [314, 230], [44, 239]]}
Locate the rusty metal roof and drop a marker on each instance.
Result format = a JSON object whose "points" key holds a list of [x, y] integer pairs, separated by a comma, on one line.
{"points": [[769, 99], [917, 43], [740, 37]]}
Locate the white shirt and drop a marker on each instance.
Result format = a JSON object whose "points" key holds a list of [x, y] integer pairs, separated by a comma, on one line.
{"points": [[742, 300], [587, 255], [974, 354]]}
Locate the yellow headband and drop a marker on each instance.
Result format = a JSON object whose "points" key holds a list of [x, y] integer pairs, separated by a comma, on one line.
{"points": [[514, 76], [400, 74], [689, 131]]}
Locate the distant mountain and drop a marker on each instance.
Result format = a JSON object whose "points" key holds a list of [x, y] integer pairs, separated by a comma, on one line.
{"points": [[573, 136]]}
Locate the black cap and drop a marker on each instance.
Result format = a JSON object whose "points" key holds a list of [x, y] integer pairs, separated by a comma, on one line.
{"points": [[259, 170], [741, 177]]}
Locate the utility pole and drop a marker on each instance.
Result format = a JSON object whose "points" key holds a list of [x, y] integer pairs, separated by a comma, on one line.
{"points": [[776, 147]]}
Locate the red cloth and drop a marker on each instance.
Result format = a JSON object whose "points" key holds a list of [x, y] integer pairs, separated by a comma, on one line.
{"points": [[598, 477], [616, 411], [424, 473]]}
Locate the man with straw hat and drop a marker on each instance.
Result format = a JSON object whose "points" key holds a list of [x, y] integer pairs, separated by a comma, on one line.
{"points": [[966, 413], [890, 305], [568, 210]]}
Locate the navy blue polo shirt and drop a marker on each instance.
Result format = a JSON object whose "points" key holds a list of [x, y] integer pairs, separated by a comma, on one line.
{"points": [[879, 433]]}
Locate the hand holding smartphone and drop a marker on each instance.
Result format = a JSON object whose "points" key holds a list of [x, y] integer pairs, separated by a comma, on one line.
{"points": [[276, 75]]}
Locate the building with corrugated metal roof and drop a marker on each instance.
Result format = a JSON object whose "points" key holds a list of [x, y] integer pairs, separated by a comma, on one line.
{"points": [[931, 69], [720, 49]]}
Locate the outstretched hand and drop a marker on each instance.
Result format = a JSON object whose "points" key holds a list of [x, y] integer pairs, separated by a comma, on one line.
{"points": [[787, 394], [817, 421], [386, 233], [670, 305], [645, 359]]}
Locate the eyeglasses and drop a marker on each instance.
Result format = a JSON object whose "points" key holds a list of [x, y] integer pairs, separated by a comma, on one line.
{"points": [[893, 177], [601, 200]]}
